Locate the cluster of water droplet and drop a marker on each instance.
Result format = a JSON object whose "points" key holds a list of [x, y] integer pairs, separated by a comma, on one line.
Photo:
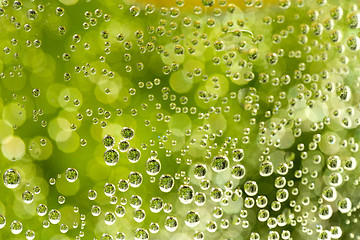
{"points": [[246, 118]]}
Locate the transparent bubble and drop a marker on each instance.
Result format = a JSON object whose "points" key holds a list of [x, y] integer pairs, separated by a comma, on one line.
{"points": [[211, 226], [109, 189], [166, 183], [95, 210], [336, 232], [238, 171], [220, 163], [59, 11], [32, 14], [325, 212], [16, 227], [200, 171], [200, 198], [2, 221], [134, 11], [154, 227], [329, 194], [71, 174], [54, 216], [108, 141], [251, 188], [192, 219], [105, 236], [156, 204], [171, 223], [350, 163], [135, 179], [141, 234], [186, 194], [272, 58], [27, 197], [152, 166], [123, 145], [254, 236], [17, 5], [11, 178], [111, 157], [36, 92], [120, 211], [127, 133], [282, 195], [123, 185], [261, 201], [109, 218], [92, 194], [135, 201], [238, 155], [216, 194], [266, 169], [41, 210], [29, 235], [133, 155], [139, 215], [344, 205], [263, 215]]}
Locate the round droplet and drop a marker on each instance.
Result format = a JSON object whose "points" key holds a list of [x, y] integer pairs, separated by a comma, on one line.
{"points": [[251, 188], [156, 204], [238, 171], [109, 189], [11, 178], [27, 197], [123, 185], [344, 205], [32, 14], [220, 163], [141, 234], [135, 179], [123, 145], [133, 155], [108, 141], [36, 92], [71, 174], [2, 221], [266, 169], [200, 171], [153, 166], [120, 211], [41, 210], [186, 194], [166, 183], [127, 133], [192, 219], [171, 223], [54, 216], [139, 215], [109, 218], [325, 212], [111, 157], [92, 194], [30, 235], [16, 227], [238, 155]]}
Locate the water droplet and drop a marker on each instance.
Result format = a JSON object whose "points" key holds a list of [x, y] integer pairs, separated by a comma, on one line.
{"points": [[111, 157], [16, 227], [71, 174], [11, 178], [220, 163]]}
